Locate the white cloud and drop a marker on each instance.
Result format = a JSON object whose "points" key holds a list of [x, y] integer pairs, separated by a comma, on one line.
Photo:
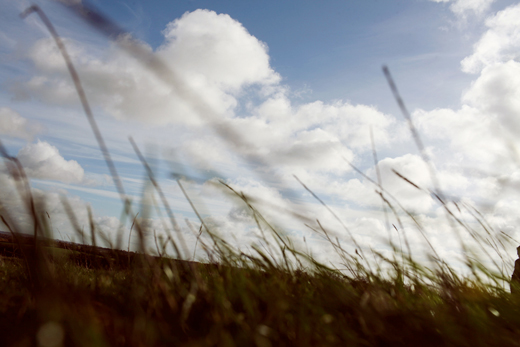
{"points": [[497, 93], [482, 134], [14, 125], [500, 43], [462, 7], [475, 145], [42, 160], [466, 136], [211, 54], [312, 137], [217, 48], [348, 123], [362, 192], [479, 7], [218, 58]]}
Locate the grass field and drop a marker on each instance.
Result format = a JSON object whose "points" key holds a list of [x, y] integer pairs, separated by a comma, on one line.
{"points": [[80, 298]]}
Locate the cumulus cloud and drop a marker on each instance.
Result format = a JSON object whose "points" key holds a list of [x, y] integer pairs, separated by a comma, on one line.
{"points": [[303, 136], [477, 144], [219, 48], [499, 44], [467, 135], [473, 149], [42, 160], [349, 123], [362, 192], [497, 93], [211, 54], [14, 125], [216, 56], [311, 137], [484, 129]]}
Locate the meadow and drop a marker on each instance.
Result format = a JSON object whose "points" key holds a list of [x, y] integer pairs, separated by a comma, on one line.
{"points": [[56, 293]]}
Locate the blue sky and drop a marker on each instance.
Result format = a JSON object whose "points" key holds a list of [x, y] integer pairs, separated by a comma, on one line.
{"points": [[262, 91]]}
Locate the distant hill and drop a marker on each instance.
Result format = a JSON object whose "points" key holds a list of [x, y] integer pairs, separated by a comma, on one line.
{"points": [[84, 255], [87, 255]]}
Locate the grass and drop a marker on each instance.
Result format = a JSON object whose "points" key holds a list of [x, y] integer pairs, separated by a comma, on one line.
{"points": [[62, 294], [155, 301]]}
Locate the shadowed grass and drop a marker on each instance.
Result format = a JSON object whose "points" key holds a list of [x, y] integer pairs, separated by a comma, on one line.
{"points": [[258, 304]]}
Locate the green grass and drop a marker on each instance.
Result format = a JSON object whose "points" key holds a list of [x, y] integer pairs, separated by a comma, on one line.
{"points": [[157, 301]]}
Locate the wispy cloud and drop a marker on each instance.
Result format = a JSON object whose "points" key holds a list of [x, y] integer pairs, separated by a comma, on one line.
{"points": [[463, 7]]}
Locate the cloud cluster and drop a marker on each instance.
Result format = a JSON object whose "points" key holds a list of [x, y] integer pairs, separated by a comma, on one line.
{"points": [[307, 139], [210, 54], [478, 143], [219, 60], [487, 123], [215, 56]]}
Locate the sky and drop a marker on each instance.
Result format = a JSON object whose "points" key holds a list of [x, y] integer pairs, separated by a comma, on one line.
{"points": [[263, 96]]}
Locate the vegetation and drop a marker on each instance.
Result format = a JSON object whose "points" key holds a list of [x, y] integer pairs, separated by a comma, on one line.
{"points": [[63, 294], [58, 299]]}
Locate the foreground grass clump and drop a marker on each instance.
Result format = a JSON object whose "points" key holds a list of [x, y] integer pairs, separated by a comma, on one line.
{"points": [[162, 302]]}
